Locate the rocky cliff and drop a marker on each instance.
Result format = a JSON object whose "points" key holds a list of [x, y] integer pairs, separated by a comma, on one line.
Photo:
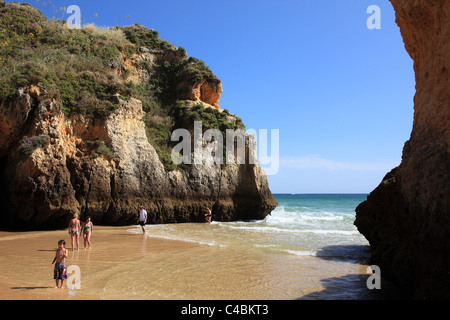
{"points": [[85, 123], [407, 217]]}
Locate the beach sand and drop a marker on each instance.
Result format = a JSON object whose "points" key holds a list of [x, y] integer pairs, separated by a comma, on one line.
{"points": [[127, 265]]}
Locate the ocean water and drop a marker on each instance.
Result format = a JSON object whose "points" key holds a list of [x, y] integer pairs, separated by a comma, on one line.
{"points": [[308, 248], [301, 225]]}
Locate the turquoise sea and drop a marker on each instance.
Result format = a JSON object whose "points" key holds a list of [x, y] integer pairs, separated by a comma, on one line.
{"points": [[308, 248], [302, 225]]}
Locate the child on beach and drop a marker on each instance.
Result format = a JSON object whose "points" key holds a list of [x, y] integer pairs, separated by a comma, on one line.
{"points": [[87, 228], [74, 229], [60, 270]]}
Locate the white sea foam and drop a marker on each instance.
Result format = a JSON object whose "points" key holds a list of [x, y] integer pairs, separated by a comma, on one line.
{"points": [[323, 218], [341, 232], [295, 216], [161, 234], [258, 228], [292, 229], [301, 252], [167, 233]]}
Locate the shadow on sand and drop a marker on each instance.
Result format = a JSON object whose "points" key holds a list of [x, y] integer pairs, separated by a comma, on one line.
{"points": [[352, 286], [30, 288], [345, 253]]}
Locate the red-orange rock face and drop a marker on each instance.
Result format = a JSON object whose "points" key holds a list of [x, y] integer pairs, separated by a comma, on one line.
{"points": [[204, 91]]}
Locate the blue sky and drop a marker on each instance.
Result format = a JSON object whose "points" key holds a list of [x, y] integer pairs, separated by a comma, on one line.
{"points": [[340, 94]]}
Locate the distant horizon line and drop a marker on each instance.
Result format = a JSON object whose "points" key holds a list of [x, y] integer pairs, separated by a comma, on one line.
{"points": [[331, 193]]}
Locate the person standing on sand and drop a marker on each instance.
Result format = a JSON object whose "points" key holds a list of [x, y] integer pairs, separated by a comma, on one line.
{"points": [[74, 229], [87, 232], [142, 220], [60, 270]]}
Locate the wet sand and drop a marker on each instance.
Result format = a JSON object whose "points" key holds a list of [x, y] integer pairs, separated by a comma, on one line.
{"points": [[127, 265]]}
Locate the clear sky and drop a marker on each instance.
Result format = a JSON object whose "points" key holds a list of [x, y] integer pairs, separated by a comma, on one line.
{"points": [[340, 94]]}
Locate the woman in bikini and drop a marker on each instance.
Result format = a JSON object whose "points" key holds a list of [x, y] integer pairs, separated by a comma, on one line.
{"points": [[87, 231], [74, 229]]}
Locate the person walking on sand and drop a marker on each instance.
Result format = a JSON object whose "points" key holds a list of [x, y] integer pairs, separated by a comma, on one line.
{"points": [[208, 215], [87, 228], [74, 230], [142, 220], [60, 270]]}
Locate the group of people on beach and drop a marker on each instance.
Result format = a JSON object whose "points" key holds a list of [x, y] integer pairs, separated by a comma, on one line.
{"points": [[75, 229]]}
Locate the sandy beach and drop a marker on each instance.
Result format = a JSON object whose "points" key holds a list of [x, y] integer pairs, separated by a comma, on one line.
{"points": [[123, 264]]}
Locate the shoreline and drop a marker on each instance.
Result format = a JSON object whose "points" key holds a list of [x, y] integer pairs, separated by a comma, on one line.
{"points": [[124, 265], [36, 249]]}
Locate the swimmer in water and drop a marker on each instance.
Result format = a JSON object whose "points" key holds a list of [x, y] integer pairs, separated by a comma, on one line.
{"points": [[208, 215]]}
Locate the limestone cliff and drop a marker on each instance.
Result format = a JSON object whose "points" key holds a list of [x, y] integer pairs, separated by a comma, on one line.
{"points": [[92, 136], [407, 217]]}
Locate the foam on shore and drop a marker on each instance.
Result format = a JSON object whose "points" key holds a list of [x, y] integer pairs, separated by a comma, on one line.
{"points": [[125, 264]]}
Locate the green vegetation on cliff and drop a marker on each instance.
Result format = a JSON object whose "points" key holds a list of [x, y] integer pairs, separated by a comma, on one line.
{"points": [[29, 144], [70, 65], [83, 70]]}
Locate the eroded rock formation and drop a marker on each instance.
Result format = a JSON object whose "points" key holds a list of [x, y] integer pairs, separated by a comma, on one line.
{"points": [[208, 92], [407, 217], [75, 136], [63, 177]]}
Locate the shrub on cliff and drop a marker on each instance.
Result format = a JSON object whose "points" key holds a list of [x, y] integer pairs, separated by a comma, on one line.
{"points": [[172, 79], [184, 117], [29, 144], [83, 69], [143, 37], [36, 51]]}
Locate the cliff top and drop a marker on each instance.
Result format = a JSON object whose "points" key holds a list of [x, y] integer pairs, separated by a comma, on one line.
{"points": [[86, 70]]}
